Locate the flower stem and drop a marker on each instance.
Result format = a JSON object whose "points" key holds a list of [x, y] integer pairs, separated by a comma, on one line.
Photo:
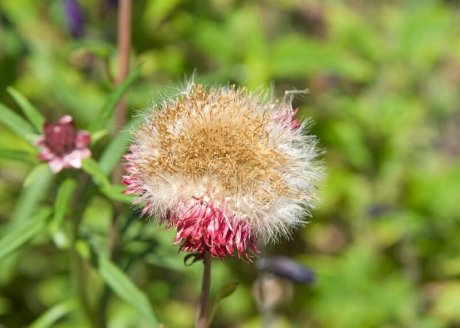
{"points": [[264, 311], [124, 44], [203, 309], [124, 48], [113, 233]]}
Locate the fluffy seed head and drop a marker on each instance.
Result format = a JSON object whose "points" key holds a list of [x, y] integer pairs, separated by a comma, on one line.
{"points": [[214, 162]]}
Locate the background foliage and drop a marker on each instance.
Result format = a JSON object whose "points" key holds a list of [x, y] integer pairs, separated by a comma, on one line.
{"points": [[383, 79]]}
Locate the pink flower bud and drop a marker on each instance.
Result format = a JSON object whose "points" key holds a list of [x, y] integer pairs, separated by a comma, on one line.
{"points": [[63, 146]]}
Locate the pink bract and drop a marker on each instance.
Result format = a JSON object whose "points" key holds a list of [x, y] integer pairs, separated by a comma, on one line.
{"points": [[205, 227], [63, 146], [287, 118], [202, 226]]}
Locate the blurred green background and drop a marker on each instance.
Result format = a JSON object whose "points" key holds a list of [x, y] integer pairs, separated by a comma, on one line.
{"points": [[384, 82]]}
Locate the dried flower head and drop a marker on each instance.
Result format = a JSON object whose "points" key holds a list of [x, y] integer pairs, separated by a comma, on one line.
{"points": [[62, 145], [224, 167]]}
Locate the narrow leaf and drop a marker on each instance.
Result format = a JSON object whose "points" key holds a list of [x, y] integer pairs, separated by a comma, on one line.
{"points": [[112, 100], [125, 289], [32, 194], [37, 172], [61, 205], [34, 116], [98, 135], [16, 123], [49, 318], [226, 290], [22, 233], [91, 167], [17, 155], [223, 292], [117, 147], [115, 192]]}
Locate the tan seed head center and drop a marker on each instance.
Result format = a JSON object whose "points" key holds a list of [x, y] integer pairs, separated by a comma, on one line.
{"points": [[218, 136]]}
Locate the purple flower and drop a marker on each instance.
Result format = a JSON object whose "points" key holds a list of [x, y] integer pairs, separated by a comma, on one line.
{"points": [[75, 18], [62, 145]]}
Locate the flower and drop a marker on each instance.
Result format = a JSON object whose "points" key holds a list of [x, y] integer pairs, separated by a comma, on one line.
{"points": [[225, 168], [75, 18], [62, 145]]}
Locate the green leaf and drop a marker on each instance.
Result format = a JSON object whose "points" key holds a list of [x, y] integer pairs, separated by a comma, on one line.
{"points": [[17, 155], [109, 107], [117, 147], [113, 192], [63, 199], [34, 116], [16, 123], [95, 47], [49, 318], [125, 289], [91, 167], [157, 10], [223, 292], [37, 172], [98, 135], [23, 232], [32, 194]]}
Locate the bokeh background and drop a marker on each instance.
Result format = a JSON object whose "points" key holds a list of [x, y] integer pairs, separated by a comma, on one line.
{"points": [[383, 80]]}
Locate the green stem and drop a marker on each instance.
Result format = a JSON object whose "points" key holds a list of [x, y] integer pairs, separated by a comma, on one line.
{"points": [[78, 265], [123, 45], [203, 309], [79, 273]]}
